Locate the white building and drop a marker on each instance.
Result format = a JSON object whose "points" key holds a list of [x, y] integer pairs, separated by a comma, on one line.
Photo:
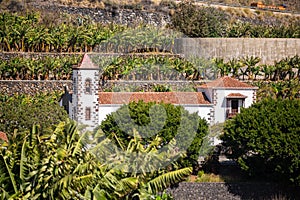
{"points": [[228, 95], [215, 101]]}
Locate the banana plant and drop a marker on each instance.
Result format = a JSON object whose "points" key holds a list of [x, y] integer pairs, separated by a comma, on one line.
{"points": [[235, 66], [55, 164], [250, 62], [267, 70], [31, 32], [224, 68], [139, 163]]}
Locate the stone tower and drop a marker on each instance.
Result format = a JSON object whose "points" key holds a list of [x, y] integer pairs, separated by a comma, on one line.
{"points": [[85, 93]]}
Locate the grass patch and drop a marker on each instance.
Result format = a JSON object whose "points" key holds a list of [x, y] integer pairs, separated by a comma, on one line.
{"points": [[229, 174], [209, 178]]}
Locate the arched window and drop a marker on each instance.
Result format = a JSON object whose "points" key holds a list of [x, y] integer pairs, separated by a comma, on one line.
{"points": [[88, 86]]}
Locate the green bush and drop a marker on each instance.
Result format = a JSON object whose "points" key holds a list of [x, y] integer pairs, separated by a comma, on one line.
{"points": [[21, 112], [265, 139], [152, 120], [195, 21]]}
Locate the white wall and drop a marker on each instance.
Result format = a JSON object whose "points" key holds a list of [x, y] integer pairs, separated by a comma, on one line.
{"points": [[85, 100], [104, 110], [203, 111], [220, 108]]}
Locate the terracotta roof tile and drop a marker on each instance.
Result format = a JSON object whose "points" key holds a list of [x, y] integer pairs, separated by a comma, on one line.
{"points": [[87, 63], [236, 95], [227, 82], [196, 98]]}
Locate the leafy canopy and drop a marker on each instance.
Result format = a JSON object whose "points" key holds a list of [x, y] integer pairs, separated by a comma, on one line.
{"points": [[39, 165], [171, 124], [265, 139], [22, 112], [195, 21], [57, 165], [141, 163]]}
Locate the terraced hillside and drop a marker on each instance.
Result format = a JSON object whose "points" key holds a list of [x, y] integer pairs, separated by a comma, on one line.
{"points": [[154, 12], [292, 5]]}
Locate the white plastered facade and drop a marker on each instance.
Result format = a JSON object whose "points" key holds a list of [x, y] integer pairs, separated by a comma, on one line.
{"points": [[87, 110]]}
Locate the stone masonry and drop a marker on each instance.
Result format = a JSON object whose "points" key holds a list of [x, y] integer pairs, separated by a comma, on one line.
{"points": [[268, 49]]}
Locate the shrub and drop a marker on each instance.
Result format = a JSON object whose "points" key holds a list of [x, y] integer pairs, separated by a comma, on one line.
{"points": [[196, 21], [22, 112], [265, 139], [165, 121]]}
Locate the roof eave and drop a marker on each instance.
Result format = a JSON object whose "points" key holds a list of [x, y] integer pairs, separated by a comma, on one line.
{"points": [[236, 97], [119, 104], [232, 88]]}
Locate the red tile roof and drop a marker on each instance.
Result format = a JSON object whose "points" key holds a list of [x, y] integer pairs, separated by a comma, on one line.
{"points": [[227, 82], [195, 98], [236, 95], [87, 63]]}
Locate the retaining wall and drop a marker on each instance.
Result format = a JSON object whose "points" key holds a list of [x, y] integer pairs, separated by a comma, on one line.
{"points": [[268, 49], [34, 55], [114, 14], [31, 87], [232, 191], [146, 86]]}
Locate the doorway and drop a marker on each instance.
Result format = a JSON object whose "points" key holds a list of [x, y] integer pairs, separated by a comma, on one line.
{"points": [[234, 106]]}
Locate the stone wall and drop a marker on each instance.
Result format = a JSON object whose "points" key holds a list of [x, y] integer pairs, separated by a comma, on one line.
{"points": [[31, 87], [146, 86], [34, 55], [268, 49], [232, 191], [114, 14]]}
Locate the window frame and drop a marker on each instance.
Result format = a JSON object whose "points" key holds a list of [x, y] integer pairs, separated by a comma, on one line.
{"points": [[88, 113], [88, 86]]}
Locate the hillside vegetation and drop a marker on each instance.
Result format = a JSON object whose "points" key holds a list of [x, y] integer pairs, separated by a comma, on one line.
{"points": [[39, 31], [292, 5], [39, 159]]}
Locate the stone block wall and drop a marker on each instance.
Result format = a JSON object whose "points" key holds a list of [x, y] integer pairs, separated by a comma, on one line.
{"points": [[232, 191], [146, 86], [268, 49], [31, 87], [34, 55]]}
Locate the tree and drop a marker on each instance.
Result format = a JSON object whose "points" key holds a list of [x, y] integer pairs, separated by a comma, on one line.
{"points": [[196, 21], [265, 139], [151, 120], [22, 112]]}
